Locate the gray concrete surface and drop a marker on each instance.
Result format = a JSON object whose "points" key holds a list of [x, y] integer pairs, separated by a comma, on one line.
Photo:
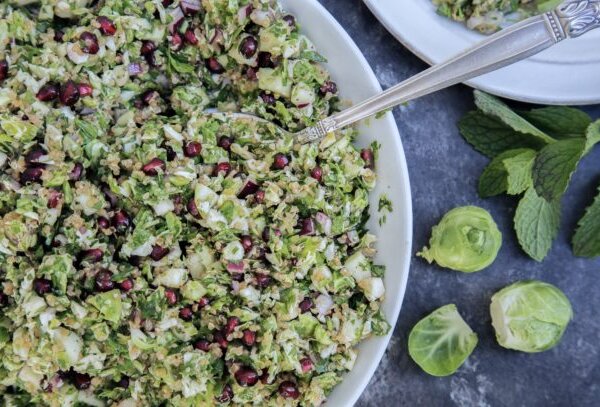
{"points": [[444, 172]]}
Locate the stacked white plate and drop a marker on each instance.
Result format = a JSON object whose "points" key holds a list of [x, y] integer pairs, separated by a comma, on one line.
{"points": [[568, 73]]}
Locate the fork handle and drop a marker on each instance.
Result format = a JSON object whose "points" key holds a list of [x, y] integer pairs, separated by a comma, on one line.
{"points": [[569, 20]]}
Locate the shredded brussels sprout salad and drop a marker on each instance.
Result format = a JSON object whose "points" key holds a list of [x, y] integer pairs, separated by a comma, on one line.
{"points": [[150, 255], [489, 16]]}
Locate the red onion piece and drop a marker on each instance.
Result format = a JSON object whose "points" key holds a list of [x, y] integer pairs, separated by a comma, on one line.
{"points": [[190, 6], [176, 16], [134, 69], [235, 267]]}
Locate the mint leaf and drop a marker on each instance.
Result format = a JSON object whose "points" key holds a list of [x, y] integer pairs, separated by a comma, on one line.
{"points": [[536, 223], [559, 121], [494, 179], [518, 169], [493, 106], [592, 136], [586, 241], [490, 136], [555, 165]]}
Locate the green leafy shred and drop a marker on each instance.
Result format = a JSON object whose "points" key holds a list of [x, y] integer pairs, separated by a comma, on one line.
{"points": [[586, 240]]}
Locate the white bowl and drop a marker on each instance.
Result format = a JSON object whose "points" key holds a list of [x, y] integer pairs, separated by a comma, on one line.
{"points": [[357, 82]]}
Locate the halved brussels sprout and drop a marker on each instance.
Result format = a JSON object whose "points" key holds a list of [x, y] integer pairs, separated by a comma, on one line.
{"points": [[441, 342], [530, 316], [466, 239]]}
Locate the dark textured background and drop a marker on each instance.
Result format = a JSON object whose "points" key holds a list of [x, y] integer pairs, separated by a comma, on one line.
{"points": [[444, 171]]}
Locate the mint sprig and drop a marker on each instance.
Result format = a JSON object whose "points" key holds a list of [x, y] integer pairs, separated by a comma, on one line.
{"points": [[534, 155]]}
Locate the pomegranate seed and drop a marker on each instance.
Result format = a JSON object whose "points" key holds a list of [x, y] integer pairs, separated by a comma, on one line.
{"points": [[103, 222], [3, 69], [192, 208], [58, 36], [3, 300], [317, 173], [135, 261], [367, 155], [171, 296], [306, 365], [54, 199], [31, 174], [265, 60], [33, 156], [246, 242], [202, 344], [48, 92], [89, 43], [225, 142], [290, 20], [192, 149], [328, 87], [107, 27], [171, 154], [268, 98], [289, 390], [120, 220], [263, 280], [235, 276], [42, 286], [226, 395], [186, 314], [158, 252], [176, 41], [123, 383], [166, 3], [266, 234], [259, 196], [308, 227], [104, 281], [154, 167], [249, 188], [214, 66], [81, 381], [149, 96], [306, 304], [246, 376], [76, 172], [221, 340], [147, 47], [126, 285], [85, 89], [251, 74], [249, 337], [203, 302], [69, 93], [232, 323], [190, 36], [109, 195], [223, 167], [91, 255], [248, 46], [280, 161]]}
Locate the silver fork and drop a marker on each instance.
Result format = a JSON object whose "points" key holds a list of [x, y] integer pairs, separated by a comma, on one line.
{"points": [[522, 40]]}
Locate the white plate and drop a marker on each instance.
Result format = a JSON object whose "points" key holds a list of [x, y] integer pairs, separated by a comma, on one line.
{"points": [[357, 81], [564, 74]]}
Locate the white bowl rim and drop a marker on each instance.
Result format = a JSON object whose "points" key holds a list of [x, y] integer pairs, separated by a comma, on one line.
{"points": [[405, 236]]}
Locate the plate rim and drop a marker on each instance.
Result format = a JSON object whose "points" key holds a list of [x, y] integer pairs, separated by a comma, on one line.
{"points": [[373, 6]]}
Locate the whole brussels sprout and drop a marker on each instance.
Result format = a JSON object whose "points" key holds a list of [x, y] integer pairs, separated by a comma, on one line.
{"points": [[441, 342], [530, 316], [466, 239]]}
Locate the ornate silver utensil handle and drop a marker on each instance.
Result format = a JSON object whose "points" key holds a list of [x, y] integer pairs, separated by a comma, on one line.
{"points": [[569, 20]]}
